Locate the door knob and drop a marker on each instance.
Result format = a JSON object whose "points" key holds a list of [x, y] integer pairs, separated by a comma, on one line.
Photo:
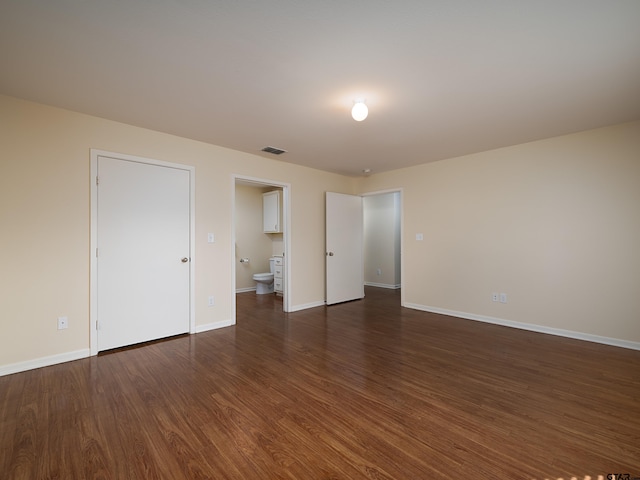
{"points": [[330, 254], [185, 260]]}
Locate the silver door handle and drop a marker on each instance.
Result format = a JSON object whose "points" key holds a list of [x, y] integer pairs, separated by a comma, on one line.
{"points": [[185, 260]]}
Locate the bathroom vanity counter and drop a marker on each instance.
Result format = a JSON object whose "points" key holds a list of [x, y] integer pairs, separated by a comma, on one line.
{"points": [[278, 274]]}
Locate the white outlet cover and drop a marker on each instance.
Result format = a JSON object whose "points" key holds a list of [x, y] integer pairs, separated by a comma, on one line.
{"points": [[503, 298], [63, 322], [211, 301], [211, 238], [419, 237]]}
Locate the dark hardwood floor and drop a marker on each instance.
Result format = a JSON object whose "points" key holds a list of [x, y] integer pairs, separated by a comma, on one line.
{"points": [[364, 389]]}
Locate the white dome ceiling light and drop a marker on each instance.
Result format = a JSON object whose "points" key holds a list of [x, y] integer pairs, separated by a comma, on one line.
{"points": [[359, 111]]}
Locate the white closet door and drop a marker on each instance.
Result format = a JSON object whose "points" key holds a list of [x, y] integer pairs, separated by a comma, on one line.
{"points": [[143, 264]]}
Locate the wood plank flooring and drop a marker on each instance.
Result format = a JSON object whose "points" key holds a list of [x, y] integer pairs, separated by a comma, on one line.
{"points": [[361, 390]]}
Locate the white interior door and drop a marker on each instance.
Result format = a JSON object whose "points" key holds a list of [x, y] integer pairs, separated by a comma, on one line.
{"points": [[143, 256], [344, 244]]}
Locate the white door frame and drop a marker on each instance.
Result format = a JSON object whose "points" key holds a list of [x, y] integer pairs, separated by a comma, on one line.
{"points": [[286, 237], [398, 190], [93, 284]]}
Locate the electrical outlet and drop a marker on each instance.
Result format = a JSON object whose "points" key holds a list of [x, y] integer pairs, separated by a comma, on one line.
{"points": [[63, 322], [494, 297], [211, 301], [211, 238], [378, 272], [503, 298]]}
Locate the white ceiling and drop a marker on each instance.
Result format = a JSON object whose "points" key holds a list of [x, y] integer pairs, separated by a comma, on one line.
{"points": [[441, 78]]}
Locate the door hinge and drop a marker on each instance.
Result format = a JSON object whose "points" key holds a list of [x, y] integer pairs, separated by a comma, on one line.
{"points": [[97, 181], [96, 253]]}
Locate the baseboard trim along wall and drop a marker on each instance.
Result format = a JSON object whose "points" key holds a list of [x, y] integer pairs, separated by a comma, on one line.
{"points": [[44, 362], [84, 353], [246, 289], [382, 285], [297, 308], [79, 354], [528, 326], [215, 325]]}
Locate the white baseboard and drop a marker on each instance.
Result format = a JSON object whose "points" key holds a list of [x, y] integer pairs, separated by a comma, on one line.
{"points": [[44, 361], [382, 285], [246, 289], [297, 308], [215, 325], [529, 326], [84, 353]]}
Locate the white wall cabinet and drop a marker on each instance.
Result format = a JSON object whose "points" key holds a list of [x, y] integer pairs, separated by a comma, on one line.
{"points": [[271, 222]]}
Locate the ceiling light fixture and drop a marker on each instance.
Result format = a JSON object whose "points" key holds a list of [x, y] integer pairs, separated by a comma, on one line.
{"points": [[359, 111]]}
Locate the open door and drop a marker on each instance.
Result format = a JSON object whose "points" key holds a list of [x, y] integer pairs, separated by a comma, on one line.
{"points": [[344, 248]]}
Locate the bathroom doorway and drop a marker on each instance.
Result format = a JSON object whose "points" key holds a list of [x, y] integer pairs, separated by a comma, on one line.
{"points": [[255, 243]]}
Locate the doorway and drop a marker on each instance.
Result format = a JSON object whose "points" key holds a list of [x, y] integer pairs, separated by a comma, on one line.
{"points": [[383, 218], [382, 215], [253, 243], [376, 244]]}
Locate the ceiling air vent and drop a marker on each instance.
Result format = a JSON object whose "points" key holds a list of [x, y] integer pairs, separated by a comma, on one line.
{"points": [[274, 150]]}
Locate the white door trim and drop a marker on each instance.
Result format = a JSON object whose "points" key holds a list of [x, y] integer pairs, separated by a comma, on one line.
{"points": [[93, 275], [286, 209]]}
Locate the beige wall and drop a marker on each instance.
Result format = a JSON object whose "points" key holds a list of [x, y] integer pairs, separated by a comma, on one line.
{"points": [[45, 222], [251, 241], [555, 224]]}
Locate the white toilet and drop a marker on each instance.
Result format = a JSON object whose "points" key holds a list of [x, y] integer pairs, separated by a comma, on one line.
{"points": [[264, 281]]}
